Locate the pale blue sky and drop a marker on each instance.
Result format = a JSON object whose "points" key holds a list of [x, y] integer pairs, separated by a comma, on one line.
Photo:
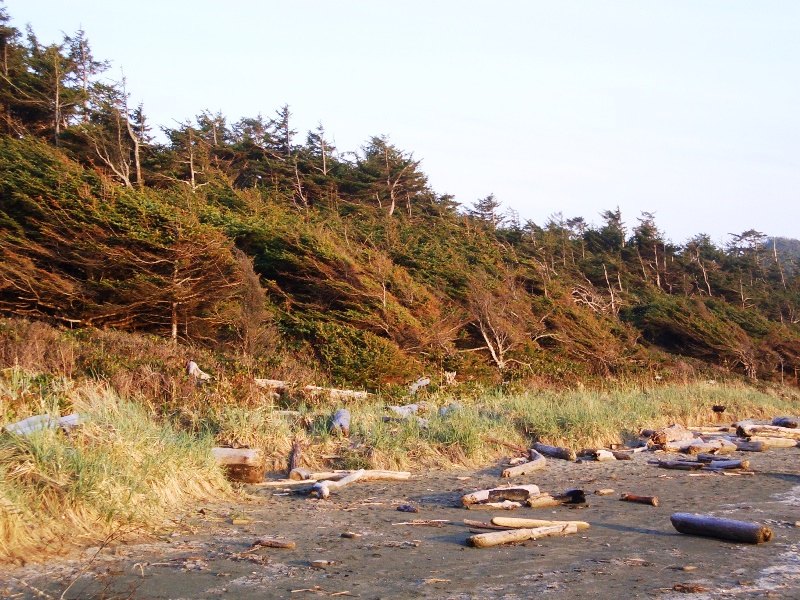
{"points": [[686, 108]]}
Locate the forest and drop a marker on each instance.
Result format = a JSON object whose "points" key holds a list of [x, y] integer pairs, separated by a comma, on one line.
{"points": [[290, 258]]}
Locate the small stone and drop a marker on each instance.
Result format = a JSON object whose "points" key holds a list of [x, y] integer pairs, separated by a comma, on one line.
{"points": [[689, 568], [409, 508], [604, 492]]}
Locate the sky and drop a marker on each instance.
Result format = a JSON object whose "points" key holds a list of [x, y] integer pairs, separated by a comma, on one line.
{"points": [[688, 109]]}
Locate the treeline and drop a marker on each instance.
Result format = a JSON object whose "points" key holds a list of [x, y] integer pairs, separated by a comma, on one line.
{"points": [[346, 266]]}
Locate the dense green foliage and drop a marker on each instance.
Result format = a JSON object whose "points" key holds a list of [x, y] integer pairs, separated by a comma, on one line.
{"points": [[346, 267]]}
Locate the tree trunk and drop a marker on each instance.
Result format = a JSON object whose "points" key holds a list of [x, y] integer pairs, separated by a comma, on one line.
{"points": [[726, 529]]}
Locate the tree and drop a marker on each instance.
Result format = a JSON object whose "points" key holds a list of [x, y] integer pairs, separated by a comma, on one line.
{"points": [[392, 174], [487, 210]]}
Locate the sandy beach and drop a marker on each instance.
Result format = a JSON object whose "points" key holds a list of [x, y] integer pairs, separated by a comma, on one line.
{"points": [[630, 550]]}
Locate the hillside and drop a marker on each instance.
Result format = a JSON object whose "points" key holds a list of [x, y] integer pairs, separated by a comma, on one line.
{"points": [[295, 260]]}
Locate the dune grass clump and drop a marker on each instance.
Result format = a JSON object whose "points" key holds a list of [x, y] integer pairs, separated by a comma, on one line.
{"points": [[117, 472]]}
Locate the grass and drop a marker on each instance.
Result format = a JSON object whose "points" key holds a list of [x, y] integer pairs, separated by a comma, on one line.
{"points": [[130, 466], [119, 472]]}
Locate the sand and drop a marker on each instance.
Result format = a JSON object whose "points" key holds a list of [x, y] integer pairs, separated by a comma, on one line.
{"points": [[630, 551]]}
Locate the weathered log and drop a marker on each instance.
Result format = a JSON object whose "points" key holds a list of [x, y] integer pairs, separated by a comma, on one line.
{"points": [[515, 494], [673, 433], [623, 454], [709, 429], [768, 431], [606, 456], [192, 370], [405, 412], [680, 465], [721, 465], [294, 457], [270, 543], [504, 505], [418, 384], [707, 458], [598, 454], [651, 500], [536, 463], [40, 422], [556, 451], [244, 465], [744, 446], [726, 529], [497, 538], [483, 495], [678, 446], [545, 501], [323, 488], [367, 475], [341, 422], [334, 394], [715, 446], [775, 442], [237, 456], [516, 523], [787, 422]]}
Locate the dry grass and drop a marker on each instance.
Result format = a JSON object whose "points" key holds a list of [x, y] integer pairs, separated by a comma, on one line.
{"points": [[117, 472]]}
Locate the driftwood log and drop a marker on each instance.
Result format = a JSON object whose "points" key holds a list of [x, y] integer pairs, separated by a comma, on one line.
{"points": [[726, 529], [485, 525], [294, 457], [556, 451], [504, 505], [744, 446], [323, 488], [341, 422], [651, 500], [680, 465], [515, 523], [240, 464], [775, 442], [270, 543], [768, 431], [673, 433], [40, 422], [482, 496], [545, 501], [368, 475], [311, 390], [721, 465], [497, 538], [536, 463], [788, 422]]}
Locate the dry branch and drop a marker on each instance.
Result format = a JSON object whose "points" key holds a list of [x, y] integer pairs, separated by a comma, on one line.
{"points": [[323, 488], [482, 496], [651, 500]]}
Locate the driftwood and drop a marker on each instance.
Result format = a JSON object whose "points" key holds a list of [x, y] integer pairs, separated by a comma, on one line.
{"points": [[367, 475], [244, 465], [405, 412], [697, 446], [515, 523], [341, 422], [312, 390], [680, 465], [418, 384], [192, 370], [294, 457], [323, 488], [598, 454], [744, 446], [270, 543], [482, 496], [775, 442], [536, 463], [544, 501], [720, 465], [40, 422], [787, 422], [768, 431], [710, 429], [556, 451], [673, 433], [651, 500], [497, 538], [726, 529], [504, 505]]}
